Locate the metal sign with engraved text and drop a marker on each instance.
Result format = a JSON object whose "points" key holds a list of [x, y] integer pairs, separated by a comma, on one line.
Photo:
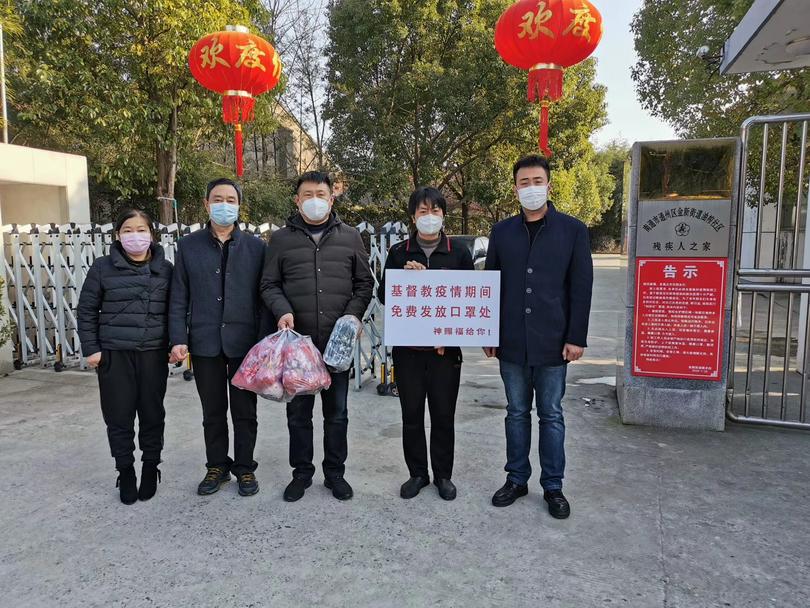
{"points": [[683, 228]]}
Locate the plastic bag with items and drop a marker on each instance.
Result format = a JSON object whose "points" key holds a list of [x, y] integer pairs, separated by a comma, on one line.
{"points": [[304, 369], [339, 352], [282, 366], [263, 367]]}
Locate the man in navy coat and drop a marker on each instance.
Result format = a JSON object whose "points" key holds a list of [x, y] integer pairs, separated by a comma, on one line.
{"points": [[216, 313], [546, 279]]}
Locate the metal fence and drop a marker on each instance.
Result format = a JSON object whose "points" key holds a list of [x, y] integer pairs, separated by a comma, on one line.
{"points": [[770, 343], [44, 267]]}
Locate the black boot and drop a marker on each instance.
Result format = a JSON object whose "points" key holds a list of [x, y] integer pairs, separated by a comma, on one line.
{"points": [[411, 488], [127, 484], [150, 476]]}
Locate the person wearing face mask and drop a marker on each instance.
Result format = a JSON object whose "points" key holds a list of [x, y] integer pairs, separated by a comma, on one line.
{"points": [[546, 281], [427, 373], [317, 271], [123, 330], [216, 314]]}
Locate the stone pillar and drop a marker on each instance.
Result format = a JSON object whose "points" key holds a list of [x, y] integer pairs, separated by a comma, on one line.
{"points": [[682, 225]]}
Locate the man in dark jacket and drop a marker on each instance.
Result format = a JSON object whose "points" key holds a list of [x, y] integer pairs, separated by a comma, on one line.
{"points": [[215, 313], [546, 280], [317, 271]]}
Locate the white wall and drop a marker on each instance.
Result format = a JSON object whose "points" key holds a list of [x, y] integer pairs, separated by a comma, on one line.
{"points": [[36, 173], [40, 187]]}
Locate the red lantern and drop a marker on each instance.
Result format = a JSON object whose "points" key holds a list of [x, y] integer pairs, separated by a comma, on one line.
{"points": [[239, 66], [545, 38]]}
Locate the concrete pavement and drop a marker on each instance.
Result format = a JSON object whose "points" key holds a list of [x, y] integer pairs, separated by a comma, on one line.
{"points": [[661, 518]]}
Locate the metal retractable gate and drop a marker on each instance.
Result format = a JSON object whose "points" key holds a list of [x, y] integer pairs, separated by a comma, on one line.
{"points": [[43, 268], [770, 330]]}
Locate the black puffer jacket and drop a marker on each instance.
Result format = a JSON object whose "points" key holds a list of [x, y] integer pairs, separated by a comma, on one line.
{"points": [[317, 283], [124, 306]]}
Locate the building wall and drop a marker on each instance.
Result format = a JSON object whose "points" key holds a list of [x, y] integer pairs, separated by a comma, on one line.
{"points": [[28, 177], [40, 187], [290, 149]]}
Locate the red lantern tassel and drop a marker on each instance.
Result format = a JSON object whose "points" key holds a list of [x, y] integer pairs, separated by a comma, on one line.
{"points": [[238, 145], [544, 129], [236, 108], [545, 83]]}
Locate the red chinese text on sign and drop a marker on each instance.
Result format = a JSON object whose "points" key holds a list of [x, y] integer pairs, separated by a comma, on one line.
{"points": [[678, 325]]}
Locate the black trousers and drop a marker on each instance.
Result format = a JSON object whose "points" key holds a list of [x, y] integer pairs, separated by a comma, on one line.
{"points": [[213, 377], [335, 428], [424, 374], [133, 383]]}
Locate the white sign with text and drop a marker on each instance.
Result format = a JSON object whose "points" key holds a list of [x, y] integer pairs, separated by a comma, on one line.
{"points": [[442, 307]]}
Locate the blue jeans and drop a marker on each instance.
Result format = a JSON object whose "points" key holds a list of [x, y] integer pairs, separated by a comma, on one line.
{"points": [[547, 384]]}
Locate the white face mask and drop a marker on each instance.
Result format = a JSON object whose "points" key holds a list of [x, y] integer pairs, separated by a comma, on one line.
{"points": [[429, 224], [533, 197], [315, 209]]}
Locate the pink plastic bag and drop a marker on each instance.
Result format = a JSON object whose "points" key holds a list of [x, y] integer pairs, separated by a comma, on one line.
{"points": [[263, 368], [282, 366], [304, 370]]}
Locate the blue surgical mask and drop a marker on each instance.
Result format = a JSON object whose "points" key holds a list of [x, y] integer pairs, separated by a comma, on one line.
{"points": [[224, 214]]}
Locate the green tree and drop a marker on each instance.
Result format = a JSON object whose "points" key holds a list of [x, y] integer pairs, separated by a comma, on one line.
{"points": [[109, 79], [418, 95], [11, 27], [674, 84], [607, 234]]}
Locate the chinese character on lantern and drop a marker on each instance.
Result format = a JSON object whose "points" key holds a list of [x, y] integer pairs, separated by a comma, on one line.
{"points": [[581, 23], [532, 25]]}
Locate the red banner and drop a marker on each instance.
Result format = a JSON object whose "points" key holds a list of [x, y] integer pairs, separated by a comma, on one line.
{"points": [[678, 325]]}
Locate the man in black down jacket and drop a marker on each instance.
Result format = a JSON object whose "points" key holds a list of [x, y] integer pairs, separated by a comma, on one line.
{"points": [[216, 314], [317, 271], [546, 278]]}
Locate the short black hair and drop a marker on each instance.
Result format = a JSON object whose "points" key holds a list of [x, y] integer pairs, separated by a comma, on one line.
{"points": [[316, 177], [429, 195], [130, 213], [532, 160], [224, 181]]}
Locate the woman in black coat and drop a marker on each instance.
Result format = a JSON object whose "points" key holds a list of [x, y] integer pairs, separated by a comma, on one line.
{"points": [[123, 329], [427, 373]]}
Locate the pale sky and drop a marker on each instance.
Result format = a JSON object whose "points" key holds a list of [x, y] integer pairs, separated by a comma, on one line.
{"points": [[616, 55]]}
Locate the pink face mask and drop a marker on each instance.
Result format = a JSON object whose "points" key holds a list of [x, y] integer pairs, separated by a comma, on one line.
{"points": [[136, 243]]}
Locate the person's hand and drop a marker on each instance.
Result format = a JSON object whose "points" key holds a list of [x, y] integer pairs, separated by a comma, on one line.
{"points": [[286, 322], [440, 350], [94, 359], [179, 353], [490, 351], [572, 353], [412, 265]]}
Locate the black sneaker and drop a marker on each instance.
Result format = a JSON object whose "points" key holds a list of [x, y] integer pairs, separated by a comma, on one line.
{"points": [[411, 487], [558, 506], [508, 494], [127, 485], [447, 490], [215, 477], [248, 486], [340, 488], [150, 477], [295, 489]]}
